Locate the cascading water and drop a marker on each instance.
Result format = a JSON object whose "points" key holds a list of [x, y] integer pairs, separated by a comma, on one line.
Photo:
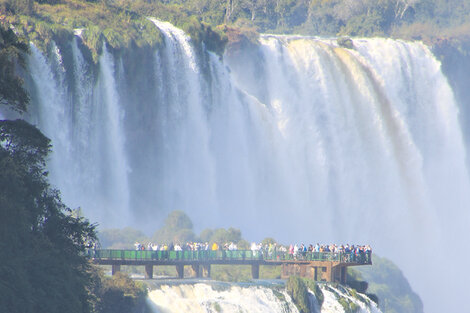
{"points": [[49, 83], [228, 298], [297, 138], [332, 305], [188, 164], [113, 138], [84, 122], [203, 298]]}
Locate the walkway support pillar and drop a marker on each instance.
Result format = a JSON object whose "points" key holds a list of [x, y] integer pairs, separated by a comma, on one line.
{"points": [[255, 271], [115, 268], [206, 270], [195, 270], [343, 274], [328, 274], [148, 271], [180, 270]]}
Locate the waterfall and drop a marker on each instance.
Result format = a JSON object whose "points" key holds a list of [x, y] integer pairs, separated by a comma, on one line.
{"points": [[332, 295], [84, 123], [112, 137], [296, 138], [187, 178], [227, 298], [203, 298]]}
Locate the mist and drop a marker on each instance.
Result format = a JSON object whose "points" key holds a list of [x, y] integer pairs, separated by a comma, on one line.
{"points": [[296, 138]]}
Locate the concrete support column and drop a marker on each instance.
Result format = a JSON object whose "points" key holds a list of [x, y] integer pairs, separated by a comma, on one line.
{"points": [[148, 271], [284, 271], [329, 272], [343, 274], [195, 270], [115, 268], [206, 270], [287, 270], [310, 272], [180, 270], [255, 271], [315, 275]]}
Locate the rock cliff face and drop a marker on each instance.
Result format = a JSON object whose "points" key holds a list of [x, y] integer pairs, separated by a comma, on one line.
{"points": [[298, 135]]}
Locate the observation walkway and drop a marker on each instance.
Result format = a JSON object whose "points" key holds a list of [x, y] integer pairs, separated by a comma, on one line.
{"points": [[320, 266]]}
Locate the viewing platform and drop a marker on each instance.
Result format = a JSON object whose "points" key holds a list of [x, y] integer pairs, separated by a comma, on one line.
{"points": [[320, 266]]}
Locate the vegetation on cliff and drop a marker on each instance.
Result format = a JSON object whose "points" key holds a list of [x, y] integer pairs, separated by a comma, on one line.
{"points": [[119, 294], [96, 23], [298, 291], [43, 267], [388, 283], [12, 50], [122, 23], [42, 263]]}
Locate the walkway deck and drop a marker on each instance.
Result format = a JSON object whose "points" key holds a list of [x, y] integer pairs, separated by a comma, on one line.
{"points": [[322, 266]]}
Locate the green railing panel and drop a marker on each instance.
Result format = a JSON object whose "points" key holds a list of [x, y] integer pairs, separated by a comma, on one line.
{"points": [[113, 254], [228, 255]]}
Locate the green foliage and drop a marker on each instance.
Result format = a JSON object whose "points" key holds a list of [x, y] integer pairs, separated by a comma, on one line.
{"points": [[12, 50], [354, 280], [348, 306], [214, 40], [313, 286], [178, 220], [242, 273], [17, 6], [120, 294], [93, 39], [122, 24], [368, 25], [222, 236], [298, 291], [279, 295], [268, 240], [120, 238], [391, 287], [177, 228], [206, 235], [42, 242], [100, 23], [166, 271], [345, 42], [231, 273], [270, 272], [42, 264], [243, 245]]}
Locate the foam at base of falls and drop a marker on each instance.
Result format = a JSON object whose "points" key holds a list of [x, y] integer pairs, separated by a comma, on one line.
{"points": [[231, 298], [331, 302], [205, 298]]}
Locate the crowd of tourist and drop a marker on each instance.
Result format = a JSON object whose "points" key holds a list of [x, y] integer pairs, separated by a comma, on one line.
{"points": [[349, 253]]}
